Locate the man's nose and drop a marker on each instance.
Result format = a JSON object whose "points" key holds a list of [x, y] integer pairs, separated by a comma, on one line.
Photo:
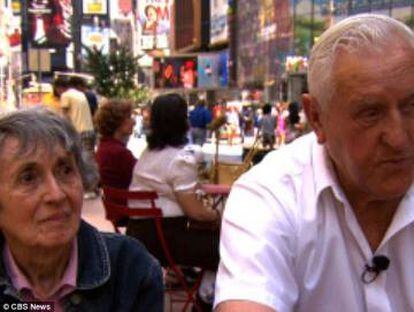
{"points": [[396, 131]]}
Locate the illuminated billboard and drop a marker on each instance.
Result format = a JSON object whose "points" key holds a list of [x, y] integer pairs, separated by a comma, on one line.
{"points": [[153, 23], [219, 32], [120, 9], [175, 72], [49, 22], [94, 7], [212, 70], [95, 38]]}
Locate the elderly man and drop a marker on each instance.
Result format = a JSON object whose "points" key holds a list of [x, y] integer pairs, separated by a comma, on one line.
{"points": [[327, 222]]}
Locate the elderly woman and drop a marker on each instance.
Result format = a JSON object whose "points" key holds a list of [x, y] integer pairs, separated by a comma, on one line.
{"points": [[169, 167], [48, 253], [114, 123]]}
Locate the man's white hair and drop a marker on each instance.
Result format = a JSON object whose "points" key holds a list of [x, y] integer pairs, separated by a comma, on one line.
{"points": [[370, 32]]}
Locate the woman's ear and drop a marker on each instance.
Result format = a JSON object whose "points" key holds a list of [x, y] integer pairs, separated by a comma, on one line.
{"points": [[314, 115]]}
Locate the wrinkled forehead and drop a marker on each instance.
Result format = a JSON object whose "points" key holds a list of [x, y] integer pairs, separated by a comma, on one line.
{"points": [[354, 67]]}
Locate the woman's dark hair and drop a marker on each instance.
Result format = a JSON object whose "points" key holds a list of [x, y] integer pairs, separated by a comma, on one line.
{"points": [[111, 115], [168, 122]]}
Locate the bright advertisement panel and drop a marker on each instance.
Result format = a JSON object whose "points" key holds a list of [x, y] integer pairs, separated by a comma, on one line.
{"points": [[153, 23], [95, 38], [49, 22], [219, 30], [223, 69], [94, 7], [175, 72], [124, 31], [120, 9], [16, 6], [212, 70]]}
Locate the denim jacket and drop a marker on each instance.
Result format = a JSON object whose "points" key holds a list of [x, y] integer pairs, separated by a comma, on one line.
{"points": [[115, 273]]}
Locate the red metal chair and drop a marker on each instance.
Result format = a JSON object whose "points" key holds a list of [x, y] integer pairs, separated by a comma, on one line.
{"points": [[115, 202]]}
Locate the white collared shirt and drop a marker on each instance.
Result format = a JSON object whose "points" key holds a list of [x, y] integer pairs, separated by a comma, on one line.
{"points": [[290, 240], [166, 171]]}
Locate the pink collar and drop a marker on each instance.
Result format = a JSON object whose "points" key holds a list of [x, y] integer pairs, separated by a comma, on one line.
{"points": [[21, 283]]}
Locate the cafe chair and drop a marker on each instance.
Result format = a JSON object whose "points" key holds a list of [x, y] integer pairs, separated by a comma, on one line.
{"points": [[115, 202]]}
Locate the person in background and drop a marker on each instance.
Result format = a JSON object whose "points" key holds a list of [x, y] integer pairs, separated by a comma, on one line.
{"points": [[48, 254], [233, 123], [114, 122], [200, 117], [281, 124], [248, 121], [146, 117], [169, 166], [75, 107], [52, 101], [332, 227], [268, 127], [80, 84], [294, 125]]}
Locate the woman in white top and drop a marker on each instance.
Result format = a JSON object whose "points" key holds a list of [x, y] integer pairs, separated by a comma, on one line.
{"points": [[168, 166]]}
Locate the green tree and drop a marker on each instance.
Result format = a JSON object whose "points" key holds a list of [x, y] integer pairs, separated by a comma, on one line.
{"points": [[115, 74]]}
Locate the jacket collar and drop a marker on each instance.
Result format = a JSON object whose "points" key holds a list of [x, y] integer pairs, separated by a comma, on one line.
{"points": [[94, 263], [94, 267]]}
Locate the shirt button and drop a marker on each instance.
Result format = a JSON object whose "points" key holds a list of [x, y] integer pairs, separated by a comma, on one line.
{"points": [[75, 299]]}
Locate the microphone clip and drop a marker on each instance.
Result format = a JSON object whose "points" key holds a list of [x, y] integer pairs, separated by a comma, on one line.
{"points": [[379, 263]]}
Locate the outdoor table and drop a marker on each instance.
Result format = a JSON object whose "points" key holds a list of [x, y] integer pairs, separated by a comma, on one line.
{"points": [[218, 193]]}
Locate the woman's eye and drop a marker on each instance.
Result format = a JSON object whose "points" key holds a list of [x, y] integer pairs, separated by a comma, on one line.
{"points": [[27, 177], [65, 170]]}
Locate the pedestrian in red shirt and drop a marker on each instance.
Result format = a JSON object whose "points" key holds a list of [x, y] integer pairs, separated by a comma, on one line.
{"points": [[114, 123]]}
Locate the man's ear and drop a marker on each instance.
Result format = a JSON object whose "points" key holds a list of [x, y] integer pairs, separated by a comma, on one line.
{"points": [[313, 113]]}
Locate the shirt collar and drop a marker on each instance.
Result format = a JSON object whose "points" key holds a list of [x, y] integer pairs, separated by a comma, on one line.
{"points": [[325, 178], [21, 283], [324, 173]]}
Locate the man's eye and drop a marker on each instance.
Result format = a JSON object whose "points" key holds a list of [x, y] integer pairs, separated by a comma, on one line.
{"points": [[370, 115], [408, 108]]}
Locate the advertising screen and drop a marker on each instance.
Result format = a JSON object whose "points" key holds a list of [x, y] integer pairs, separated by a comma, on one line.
{"points": [[212, 70], [95, 37], [175, 72], [124, 31], [16, 6], [120, 9], [94, 7], [218, 21], [49, 22], [223, 69], [153, 22]]}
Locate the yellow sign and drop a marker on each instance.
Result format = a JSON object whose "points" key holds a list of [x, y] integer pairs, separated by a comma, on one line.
{"points": [[95, 8]]}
